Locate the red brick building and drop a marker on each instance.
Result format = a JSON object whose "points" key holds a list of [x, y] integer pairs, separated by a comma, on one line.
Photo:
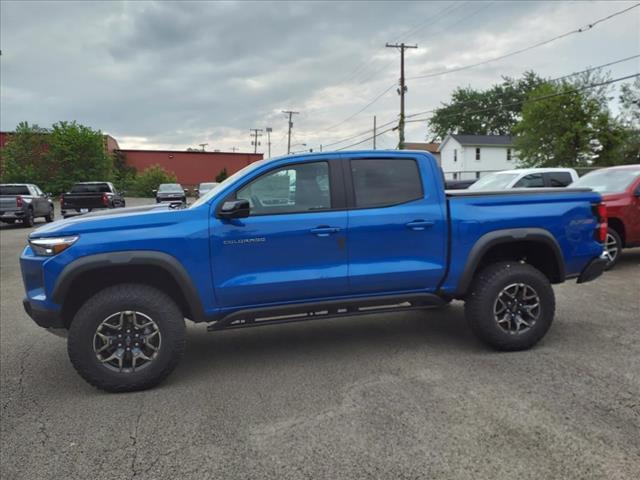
{"points": [[191, 168]]}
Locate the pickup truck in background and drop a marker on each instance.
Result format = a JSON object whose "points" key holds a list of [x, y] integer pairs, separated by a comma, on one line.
{"points": [[526, 178], [350, 233], [88, 196], [24, 202], [620, 190]]}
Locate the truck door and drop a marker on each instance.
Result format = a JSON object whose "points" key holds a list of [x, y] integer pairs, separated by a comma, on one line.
{"points": [[397, 225], [293, 244]]}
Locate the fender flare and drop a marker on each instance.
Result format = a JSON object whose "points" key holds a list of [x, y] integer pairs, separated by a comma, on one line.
{"points": [[497, 237], [130, 258]]}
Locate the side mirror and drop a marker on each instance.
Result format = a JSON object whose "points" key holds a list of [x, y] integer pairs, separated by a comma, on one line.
{"points": [[637, 192], [235, 209], [48, 195], [123, 193], [154, 191]]}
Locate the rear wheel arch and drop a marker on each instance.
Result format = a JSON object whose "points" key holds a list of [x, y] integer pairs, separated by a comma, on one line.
{"points": [[617, 225], [86, 276], [535, 246]]}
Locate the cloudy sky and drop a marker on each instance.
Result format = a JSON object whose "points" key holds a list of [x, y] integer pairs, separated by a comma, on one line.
{"points": [[174, 75]]}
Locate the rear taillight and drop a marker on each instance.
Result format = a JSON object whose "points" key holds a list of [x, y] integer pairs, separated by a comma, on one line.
{"points": [[19, 201], [105, 199], [600, 211]]}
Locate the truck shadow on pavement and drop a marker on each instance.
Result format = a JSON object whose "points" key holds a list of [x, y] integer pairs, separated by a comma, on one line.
{"points": [[348, 339]]}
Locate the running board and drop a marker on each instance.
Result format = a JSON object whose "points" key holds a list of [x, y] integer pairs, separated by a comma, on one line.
{"points": [[255, 317]]}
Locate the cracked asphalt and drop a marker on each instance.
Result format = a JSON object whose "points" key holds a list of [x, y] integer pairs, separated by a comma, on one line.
{"points": [[394, 396]]}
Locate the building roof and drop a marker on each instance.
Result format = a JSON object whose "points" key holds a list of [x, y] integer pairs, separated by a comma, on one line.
{"points": [[428, 147], [483, 140]]}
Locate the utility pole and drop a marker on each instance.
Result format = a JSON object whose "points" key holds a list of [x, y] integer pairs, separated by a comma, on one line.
{"points": [[203, 145], [269, 130], [256, 133], [233, 149], [402, 90], [290, 113], [374, 132]]}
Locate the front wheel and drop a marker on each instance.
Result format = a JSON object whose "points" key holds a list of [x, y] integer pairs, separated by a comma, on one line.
{"points": [[510, 306], [127, 337]]}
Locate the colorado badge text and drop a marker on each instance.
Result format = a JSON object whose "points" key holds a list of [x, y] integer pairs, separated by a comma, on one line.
{"points": [[242, 241]]}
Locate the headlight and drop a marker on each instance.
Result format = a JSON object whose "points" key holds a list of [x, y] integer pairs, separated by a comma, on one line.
{"points": [[47, 247]]}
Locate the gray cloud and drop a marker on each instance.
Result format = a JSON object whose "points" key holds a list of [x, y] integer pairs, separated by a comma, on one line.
{"points": [[176, 74]]}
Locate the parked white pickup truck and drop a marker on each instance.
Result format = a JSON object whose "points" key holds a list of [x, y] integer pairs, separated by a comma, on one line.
{"points": [[526, 178]]}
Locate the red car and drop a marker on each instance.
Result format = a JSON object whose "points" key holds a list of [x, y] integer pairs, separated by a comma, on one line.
{"points": [[620, 189]]}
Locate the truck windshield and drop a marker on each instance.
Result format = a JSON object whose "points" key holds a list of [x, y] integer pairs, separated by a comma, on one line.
{"points": [[14, 190], [90, 188], [494, 181], [608, 181], [239, 174]]}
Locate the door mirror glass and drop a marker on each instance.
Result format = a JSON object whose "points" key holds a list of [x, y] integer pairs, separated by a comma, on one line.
{"points": [[234, 209]]}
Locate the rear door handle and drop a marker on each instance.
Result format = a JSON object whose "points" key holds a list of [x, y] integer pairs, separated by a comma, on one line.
{"points": [[419, 224], [324, 231]]}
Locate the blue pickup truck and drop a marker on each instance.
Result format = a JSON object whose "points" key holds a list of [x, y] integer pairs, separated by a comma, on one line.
{"points": [[306, 237]]}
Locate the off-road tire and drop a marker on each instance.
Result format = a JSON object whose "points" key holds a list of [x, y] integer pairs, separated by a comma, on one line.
{"points": [[142, 298], [485, 288], [50, 217], [27, 221], [611, 232]]}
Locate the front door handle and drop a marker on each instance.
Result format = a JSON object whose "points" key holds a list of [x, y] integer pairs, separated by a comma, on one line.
{"points": [[419, 224], [324, 231]]}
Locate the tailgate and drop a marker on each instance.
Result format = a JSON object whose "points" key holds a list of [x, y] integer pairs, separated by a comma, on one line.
{"points": [[8, 203], [83, 200]]}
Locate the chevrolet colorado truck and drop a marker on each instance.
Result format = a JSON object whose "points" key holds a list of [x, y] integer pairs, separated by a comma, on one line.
{"points": [[306, 237], [88, 196]]}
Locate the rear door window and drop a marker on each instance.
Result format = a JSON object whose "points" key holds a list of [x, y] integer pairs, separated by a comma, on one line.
{"points": [[559, 179], [385, 182], [533, 180]]}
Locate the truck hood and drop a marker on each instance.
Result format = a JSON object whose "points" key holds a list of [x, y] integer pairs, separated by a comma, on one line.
{"points": [[109, 219]]}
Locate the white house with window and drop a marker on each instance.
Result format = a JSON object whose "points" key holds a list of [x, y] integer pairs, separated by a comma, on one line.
{"points": [[465, 157]]}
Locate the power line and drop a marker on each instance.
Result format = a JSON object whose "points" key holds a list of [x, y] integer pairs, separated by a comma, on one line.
{"points": [[367, 139], [535, 99], [375, 72], [531, 47]]}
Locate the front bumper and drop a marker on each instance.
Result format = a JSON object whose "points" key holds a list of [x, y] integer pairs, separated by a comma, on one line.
{"points": [[593, 270], [48, 319]]}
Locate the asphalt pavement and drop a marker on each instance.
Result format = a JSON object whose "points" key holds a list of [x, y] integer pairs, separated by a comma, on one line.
{"points": [[410, 395]]}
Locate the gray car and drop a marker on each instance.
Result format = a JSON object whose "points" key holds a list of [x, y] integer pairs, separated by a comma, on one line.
{"points": [[24, 202]]}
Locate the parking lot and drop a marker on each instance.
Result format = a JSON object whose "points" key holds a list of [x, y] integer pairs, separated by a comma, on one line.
{"points": [[403, 395]]}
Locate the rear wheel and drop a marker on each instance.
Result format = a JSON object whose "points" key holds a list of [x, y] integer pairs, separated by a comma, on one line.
{"points": [[127, 337], [27, 221], [612, 248], [510, 306], [50, 216]]}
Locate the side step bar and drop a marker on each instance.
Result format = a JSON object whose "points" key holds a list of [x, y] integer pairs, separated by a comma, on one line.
{"points": [[255, 317]]}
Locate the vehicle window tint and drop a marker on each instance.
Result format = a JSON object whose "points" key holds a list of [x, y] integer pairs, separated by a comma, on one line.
{"points": [[560, 179], [14, 190], [382, 182], [291, 189], [533, 180], [90, 188]]}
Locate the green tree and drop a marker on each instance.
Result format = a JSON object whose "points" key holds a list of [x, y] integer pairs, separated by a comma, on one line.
{"points": [[148, 180], [23, 157], [76, 153], [124, 176], [565, 124], [494, 111], [222, 176]]}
